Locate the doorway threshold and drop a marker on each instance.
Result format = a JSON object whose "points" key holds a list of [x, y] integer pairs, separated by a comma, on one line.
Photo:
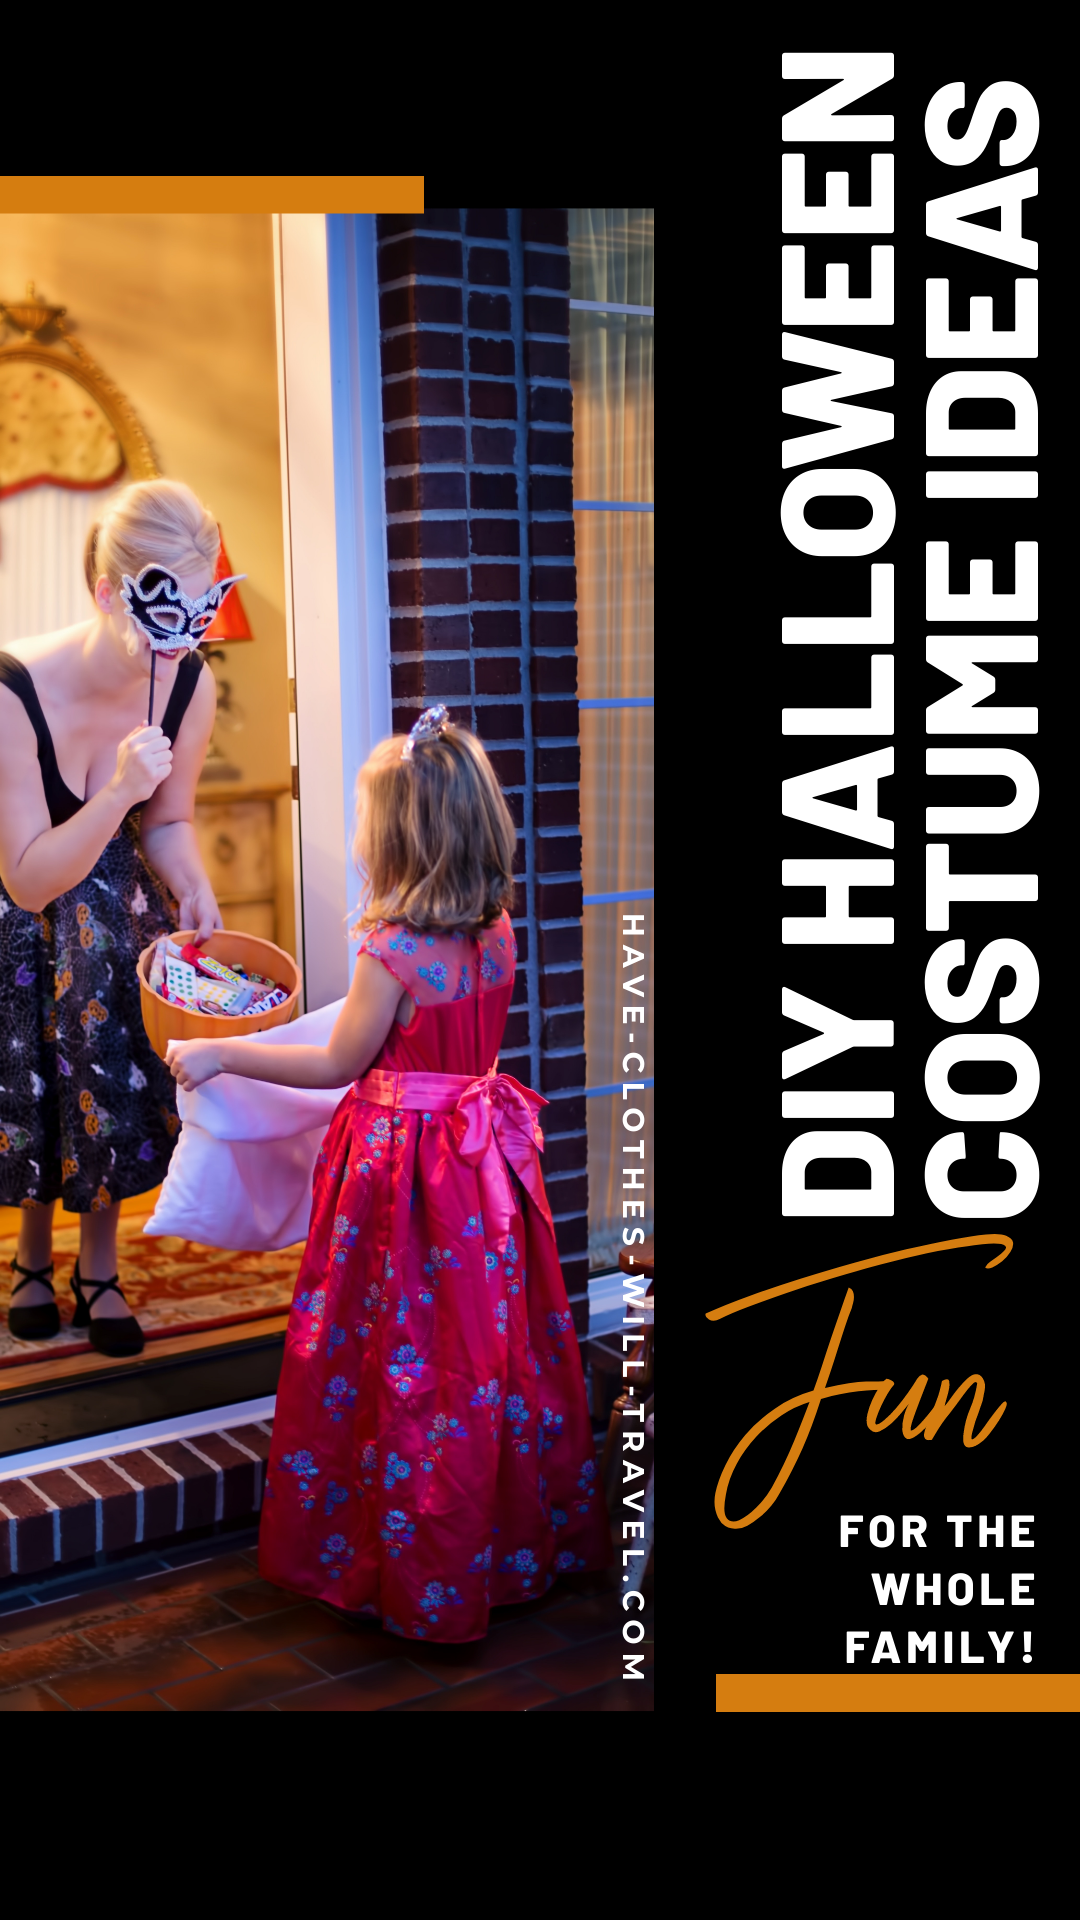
{"points": [[53, 1403]]}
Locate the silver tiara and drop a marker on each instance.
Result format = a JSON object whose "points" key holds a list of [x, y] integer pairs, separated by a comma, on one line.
{"points": [[431, 723]]}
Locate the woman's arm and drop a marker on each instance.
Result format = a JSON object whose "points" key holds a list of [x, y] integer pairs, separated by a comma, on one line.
{"points": [[37, 860], [168, 831], [362, 1026]]}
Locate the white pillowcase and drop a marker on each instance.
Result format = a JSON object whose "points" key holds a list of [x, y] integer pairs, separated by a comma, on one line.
{"points": [[240, 1175]]}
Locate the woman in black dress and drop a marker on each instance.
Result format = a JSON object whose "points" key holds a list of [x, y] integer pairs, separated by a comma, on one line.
{"points": [[96, 847]]}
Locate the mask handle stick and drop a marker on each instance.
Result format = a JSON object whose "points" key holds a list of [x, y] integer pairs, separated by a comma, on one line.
{"points": [[153, 669]]}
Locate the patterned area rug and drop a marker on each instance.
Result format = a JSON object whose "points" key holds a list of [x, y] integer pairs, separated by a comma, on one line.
{"points": [[175, 1286]]}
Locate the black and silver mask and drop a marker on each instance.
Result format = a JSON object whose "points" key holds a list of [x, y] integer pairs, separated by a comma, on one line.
{"points": [[160, 608]]}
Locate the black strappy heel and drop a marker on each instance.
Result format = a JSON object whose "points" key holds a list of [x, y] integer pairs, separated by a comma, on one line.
{"points": [[116, 1337], [33, 1323]]}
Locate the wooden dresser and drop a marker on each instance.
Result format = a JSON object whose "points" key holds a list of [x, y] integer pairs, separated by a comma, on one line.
{"points": [[245, 837]]}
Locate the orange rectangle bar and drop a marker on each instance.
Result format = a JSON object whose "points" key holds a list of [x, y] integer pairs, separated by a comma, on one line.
{"points": [[897, 1693], [212, 193]]}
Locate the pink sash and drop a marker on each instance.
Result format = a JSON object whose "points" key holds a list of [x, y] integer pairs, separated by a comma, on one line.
{"points": [[494, 1126]]}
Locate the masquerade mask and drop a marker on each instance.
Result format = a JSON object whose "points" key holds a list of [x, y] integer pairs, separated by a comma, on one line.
{"points": [[160, 608], [428, 727]]}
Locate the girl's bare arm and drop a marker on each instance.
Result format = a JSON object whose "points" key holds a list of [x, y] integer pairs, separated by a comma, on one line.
{"points": [[362, 1026]]}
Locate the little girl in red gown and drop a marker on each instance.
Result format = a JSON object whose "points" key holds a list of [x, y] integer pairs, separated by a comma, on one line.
{"points": [[432, 1454]]}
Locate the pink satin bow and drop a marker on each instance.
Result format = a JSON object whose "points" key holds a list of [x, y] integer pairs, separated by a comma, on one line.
{"points": [[496, 1116]]}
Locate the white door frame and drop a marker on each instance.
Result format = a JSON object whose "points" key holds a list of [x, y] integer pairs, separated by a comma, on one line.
{"points": [[337, 623]]}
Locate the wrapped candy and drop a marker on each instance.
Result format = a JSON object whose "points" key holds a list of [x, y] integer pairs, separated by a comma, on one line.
{"points": [[189, 978]]}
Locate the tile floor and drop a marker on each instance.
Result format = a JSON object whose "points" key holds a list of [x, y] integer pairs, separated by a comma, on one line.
{"points": [[196, 1630]]}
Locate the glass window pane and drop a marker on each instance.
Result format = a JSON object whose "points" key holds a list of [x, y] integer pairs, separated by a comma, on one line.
{"points": [[616, 798], [611, 254], [611, 370], [611, 363], [615, 604]]}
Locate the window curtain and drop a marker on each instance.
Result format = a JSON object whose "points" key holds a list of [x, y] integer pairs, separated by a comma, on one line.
{"points": [[42, 538], [611, 253]]}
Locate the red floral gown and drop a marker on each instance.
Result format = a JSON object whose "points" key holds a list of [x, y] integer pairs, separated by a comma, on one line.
{"points": [[432, 1453]]}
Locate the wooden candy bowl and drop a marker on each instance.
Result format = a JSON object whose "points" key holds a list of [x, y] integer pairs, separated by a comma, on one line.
{"points": [[164, 1021]]}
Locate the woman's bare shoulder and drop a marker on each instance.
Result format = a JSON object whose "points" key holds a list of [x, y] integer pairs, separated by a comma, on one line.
{"points": [[43, 648]]}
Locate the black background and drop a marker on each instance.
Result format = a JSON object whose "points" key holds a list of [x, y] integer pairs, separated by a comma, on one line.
{"points": [[788, 1591]]}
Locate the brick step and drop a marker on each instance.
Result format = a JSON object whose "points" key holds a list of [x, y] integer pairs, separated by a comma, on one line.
{"points": [[121, 1500]]}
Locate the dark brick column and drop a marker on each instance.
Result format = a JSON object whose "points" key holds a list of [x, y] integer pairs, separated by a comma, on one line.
{"points": [[475, 317]]}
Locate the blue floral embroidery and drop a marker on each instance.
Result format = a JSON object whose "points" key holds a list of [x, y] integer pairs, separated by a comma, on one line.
{"points": [[402, 1310], [435, 975], [403, 944], [587, 1484], [548, 1428], [517, 1413], [557, 1325], [380, 1131], [338, 1396], [388, 1271], [336, 1338], [303, 1465], [480, 1562], [524, 1562], [395, 1469], [336, 1554], [342, 1239], [426, 1297], [474, 1227], [398, 1531], [313, 1303], [335, 1495], [565, 1560], [511, 1257], [434, 1264], [369, 1465], [464, 985], [446, 1426], [491, 1261], [558, 1517], [501, 1312], [488, 1396], [488, 970], [375, 1297], [405, 1366], [436, 1596]]}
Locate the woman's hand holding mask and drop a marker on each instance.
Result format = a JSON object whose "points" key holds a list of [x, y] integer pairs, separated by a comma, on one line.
{"points": [[143, 761]]}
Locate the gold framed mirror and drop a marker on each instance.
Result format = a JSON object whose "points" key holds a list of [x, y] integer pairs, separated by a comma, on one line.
{"points": [[63, 422]]}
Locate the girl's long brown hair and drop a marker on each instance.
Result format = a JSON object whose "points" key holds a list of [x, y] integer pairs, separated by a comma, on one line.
{"points": [[434, 838]]}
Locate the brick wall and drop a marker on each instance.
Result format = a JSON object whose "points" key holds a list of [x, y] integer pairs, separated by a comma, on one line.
{"points": [[475, 319]]}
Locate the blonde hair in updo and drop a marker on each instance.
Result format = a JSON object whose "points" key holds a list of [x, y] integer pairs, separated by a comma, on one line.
{"points": [[152, 520]]}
